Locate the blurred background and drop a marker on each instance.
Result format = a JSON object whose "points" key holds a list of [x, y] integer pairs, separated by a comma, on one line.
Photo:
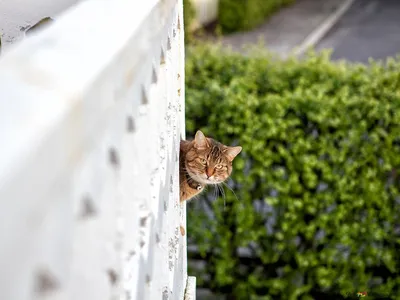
{"points": [[311, 211], [312, 208]]}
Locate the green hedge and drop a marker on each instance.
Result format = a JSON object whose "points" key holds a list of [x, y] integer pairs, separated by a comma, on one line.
{"points": [[317, 184], [238, 15]]}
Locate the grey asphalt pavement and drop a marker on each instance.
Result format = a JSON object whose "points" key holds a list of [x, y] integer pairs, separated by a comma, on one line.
{"points": [[370, 28], [287, 28]]}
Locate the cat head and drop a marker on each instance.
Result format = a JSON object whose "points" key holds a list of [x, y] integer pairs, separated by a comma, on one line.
{"points": [[208, 161]]}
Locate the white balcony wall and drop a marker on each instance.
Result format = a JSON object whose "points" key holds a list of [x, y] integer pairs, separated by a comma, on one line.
{"points": [[91, 115]]}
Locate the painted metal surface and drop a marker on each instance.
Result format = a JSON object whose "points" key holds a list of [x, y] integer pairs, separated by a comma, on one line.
{"points": [[91, 115]]}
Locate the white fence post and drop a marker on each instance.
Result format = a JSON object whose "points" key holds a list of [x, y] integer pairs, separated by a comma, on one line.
{"points": [[91, 115]]}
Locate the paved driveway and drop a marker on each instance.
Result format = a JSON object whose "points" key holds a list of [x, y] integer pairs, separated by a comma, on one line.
{"points": [[370, 28]]}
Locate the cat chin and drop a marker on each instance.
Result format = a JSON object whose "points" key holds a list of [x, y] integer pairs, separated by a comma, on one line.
{"points": [[205, 181], [214, 182]]}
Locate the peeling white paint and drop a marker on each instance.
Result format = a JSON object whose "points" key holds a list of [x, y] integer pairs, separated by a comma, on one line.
{"points": [[17, 15]]}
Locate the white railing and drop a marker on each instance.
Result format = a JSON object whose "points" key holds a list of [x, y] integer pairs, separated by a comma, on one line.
{"points": [[91, 115]]}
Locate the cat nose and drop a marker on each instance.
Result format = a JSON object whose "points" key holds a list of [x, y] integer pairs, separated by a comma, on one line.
{"points": [[209, 172]]}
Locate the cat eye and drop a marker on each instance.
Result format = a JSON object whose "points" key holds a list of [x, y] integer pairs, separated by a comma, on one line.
{"points": [[203, 161], [218, 166]]}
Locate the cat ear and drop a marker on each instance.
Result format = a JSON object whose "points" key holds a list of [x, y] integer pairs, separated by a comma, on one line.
{"points": [[232, 152], [200, 140]]}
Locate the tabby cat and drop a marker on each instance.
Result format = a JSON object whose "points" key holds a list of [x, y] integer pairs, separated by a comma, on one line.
{"points": [[203, 161]]}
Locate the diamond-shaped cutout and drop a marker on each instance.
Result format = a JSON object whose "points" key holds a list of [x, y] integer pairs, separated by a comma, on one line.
{"points": [[145, 100], [154, 78], [88, 208], [169, 44], [130, 124], [162, 58], [112, 276], [114, 157], [45, 282]]}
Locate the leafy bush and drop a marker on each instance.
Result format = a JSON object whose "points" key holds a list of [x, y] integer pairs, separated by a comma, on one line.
{"points": [[317, 183], [237, 15]]}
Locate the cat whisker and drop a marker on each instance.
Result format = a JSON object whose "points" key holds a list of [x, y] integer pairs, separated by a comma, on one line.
{"points": [[194, 198], [231, 190], [216, 193], [223, 194], [218, 188], [222, 190]]}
